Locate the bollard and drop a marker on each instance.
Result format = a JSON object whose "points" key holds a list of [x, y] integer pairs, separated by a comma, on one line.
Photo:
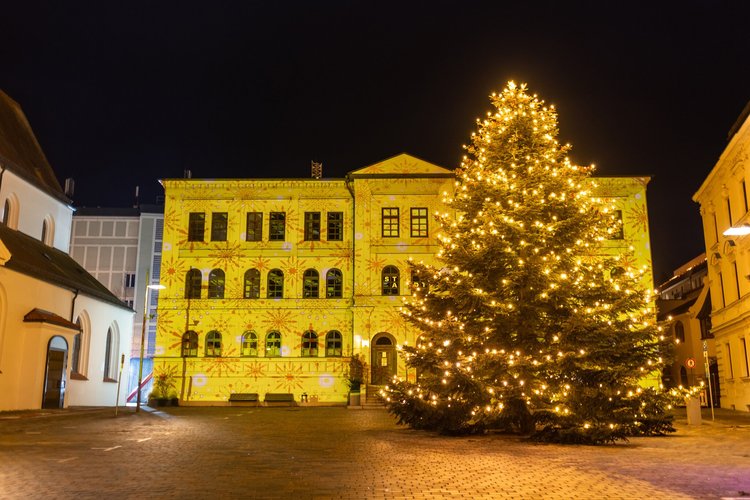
{"points": [[693, 407]]}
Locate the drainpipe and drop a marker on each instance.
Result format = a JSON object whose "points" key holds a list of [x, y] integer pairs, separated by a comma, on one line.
{"points": [[350, 187], [73, 305], [2, 172]]}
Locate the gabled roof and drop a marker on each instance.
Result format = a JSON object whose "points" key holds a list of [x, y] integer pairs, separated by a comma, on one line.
{"points": [[20, 152], [402, 165], [33, 258]]}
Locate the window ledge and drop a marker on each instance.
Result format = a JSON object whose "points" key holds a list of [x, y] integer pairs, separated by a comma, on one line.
{"points": [[78, 376], [109, 380]]}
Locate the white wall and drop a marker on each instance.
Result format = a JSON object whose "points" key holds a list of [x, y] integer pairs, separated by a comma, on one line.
{"points": [[33, 206]]}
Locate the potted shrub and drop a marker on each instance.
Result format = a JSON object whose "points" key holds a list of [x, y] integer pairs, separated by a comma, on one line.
{"points": [[354, 379], [164, 392]]}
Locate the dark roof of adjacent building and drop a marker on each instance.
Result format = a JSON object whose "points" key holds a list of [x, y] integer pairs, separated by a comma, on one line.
{"points": [[119, 211], [37, 260], [21, 153]]}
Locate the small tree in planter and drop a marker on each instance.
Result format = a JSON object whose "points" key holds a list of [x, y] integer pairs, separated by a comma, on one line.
{"points": [[355, 378], [164, 391]]}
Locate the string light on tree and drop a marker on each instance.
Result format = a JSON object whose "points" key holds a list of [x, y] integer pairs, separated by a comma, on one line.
{"points": [[522, 328]]}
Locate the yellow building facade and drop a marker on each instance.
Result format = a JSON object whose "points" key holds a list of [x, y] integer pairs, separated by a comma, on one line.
{"points": [[273, 284]]}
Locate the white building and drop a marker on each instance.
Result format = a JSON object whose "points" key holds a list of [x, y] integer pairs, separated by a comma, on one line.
{"points": [[725, 209], [119, 246], [62, 334]]}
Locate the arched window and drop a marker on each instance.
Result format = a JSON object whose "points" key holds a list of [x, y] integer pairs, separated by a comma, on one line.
{"points": [[6, 212], [333, 343], [213, 344], [193, 280], [44, 231], [679, 331], [390, 280], [110, 356], [216, 284], [334, 284], [249, 344], [252, 284], [75, 356], [273, 345], [189, 344], [310, 284], [275, 284], [309, 344]]}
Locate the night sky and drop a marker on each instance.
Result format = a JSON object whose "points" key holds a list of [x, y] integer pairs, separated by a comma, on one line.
{"points": [[120, 96]]}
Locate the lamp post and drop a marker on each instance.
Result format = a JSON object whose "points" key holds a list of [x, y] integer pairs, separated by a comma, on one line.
{"points": [[143, 338]]}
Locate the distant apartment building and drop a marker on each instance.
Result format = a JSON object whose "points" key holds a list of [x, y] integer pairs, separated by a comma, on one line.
{"points": [[119, 246], [273, 284], [725, 210], [685, 302]]}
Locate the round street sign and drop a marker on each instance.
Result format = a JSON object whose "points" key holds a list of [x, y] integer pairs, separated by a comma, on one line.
{"points": [[690, 362]]}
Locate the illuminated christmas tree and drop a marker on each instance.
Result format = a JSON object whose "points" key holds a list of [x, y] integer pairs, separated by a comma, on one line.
{"points": [[524, 327]]}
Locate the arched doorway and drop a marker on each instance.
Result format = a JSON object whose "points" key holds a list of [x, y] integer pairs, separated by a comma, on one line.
{"points": [[382, 358], [54, 378]]}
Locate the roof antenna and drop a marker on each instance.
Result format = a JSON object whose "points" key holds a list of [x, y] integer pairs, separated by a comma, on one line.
{"points": [[187, 174], [137, 190], [70, 187]]}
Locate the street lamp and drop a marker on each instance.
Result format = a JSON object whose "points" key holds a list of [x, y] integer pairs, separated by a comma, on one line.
{"points": [[143, 339]]}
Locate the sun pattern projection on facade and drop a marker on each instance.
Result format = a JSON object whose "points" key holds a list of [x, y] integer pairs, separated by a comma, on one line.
{"points": [[228, 257], [262, 264], [282, 320], [222, 366], [172, 274], [255, 370], [290, 377], [293, 269], [638, 217]]}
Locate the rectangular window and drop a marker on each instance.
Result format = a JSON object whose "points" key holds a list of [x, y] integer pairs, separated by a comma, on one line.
{"points": [[743, 343], [312, 226], [219, 226], [729, 211], [721, 286], [277, 226], [618, 233], [729, 362], [736, 279], [254, 231], [418, 222], [390, 222], [744, 194], [196, 226], [716, 229], [335, 226], [129, 280]]}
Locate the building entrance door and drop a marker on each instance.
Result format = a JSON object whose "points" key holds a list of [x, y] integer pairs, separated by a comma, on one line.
{"points": [[54, 379], [383, 359]]}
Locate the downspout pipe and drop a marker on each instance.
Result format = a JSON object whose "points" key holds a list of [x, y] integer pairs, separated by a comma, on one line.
{"points": [[73, 306]]}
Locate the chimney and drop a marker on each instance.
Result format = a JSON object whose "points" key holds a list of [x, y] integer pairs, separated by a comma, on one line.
{"points": [[137, 190], [317, 170], [187, 174], [70, 187]]}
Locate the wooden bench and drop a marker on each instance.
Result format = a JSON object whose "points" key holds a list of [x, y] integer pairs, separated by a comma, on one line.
{"points": [[244, 397], [279, 398]]}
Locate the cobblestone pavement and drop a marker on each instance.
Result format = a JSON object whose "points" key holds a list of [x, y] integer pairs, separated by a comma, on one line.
{"points": [[316, 453]]}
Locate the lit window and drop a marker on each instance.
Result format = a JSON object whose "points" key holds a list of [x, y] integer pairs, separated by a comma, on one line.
{"points": [[189, 344], [193, 280], [333, 343], [390, 222], [309, 344], [335, 226], [312, 226], [277, 226], [196, 226], [390, 280], [275, 284], [249, 344], [219, 222], [679, 331], [273, 345], [334, 284], [310, 284], [418, 222], [252, 284], [617, 229], [213, 344], [254, 231], [216, 284]]}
